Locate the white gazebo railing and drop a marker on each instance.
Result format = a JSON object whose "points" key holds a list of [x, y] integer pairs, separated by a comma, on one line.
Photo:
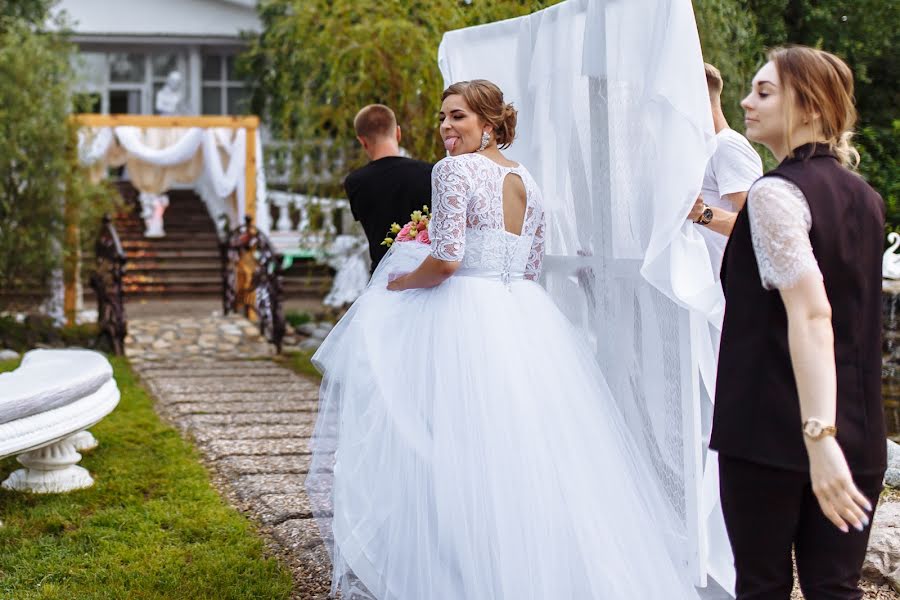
{"points": [[304, 225], [320, 163]]}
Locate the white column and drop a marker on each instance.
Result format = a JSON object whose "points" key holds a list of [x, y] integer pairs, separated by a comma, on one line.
{"points": [[195, 77], [284, 218]]}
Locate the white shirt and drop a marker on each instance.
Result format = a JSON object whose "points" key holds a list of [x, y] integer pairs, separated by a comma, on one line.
{"points": [[780, 221], [733, 167]]}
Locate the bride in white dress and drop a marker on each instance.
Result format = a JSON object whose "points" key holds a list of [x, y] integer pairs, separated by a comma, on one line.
{"points": [[467, 446]]}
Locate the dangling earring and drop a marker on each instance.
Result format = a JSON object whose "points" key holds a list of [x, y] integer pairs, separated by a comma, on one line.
{"points": [[485, 138]]}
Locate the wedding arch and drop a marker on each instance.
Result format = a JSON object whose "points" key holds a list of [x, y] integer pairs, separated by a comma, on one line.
{"points": [[220, 155]]}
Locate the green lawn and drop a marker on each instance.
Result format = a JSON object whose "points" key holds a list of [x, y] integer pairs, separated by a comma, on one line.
{"points": [[299, 362], [152, 527]]}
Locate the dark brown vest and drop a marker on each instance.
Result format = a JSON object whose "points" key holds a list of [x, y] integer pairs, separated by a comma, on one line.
{"points": [[757, 411]]}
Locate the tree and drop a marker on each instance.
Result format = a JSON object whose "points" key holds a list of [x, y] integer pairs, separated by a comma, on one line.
{"points": [[864, 33], [736, 33], [729, 40], [38, 167], [317, 62]]}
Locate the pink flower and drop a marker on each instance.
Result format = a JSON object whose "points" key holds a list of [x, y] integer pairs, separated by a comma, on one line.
{"points": [[421, 225], [423, 238], [403, 236]]}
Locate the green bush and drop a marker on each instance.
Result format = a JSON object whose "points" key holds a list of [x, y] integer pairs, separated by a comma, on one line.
{"points": [[296, 319], [37, 331]]}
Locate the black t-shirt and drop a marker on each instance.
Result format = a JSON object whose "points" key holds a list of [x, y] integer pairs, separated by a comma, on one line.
{"points": [[386, 191]]}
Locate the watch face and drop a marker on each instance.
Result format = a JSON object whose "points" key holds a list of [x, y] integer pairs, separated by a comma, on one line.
{"points": [[708, 215], [812, 429]]}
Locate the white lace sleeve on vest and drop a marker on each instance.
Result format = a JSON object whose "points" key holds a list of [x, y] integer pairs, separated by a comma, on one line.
{"points": [[536, 256], [449, 192], [779, 223]]}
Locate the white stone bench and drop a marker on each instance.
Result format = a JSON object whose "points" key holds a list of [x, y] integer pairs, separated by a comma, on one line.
{"points": [[45, 407]]}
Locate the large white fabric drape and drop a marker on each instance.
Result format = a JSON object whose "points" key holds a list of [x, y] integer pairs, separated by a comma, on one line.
{"points": [[223, 153], [615, 125]]}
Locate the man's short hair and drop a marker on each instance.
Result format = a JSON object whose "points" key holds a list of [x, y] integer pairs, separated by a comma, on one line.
{"points": [[713, 80], [375, 121]]}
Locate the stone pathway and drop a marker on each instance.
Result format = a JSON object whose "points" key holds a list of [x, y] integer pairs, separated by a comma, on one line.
{"points": [[168, 338], [251, 419]]}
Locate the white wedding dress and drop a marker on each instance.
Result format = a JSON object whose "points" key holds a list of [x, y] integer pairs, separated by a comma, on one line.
{"points": [[467, 446]]}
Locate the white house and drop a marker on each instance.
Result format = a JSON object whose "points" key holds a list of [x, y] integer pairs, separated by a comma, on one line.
{"points": [[128, 47]]}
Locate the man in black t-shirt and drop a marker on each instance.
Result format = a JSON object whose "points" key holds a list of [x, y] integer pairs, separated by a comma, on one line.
{"points": [[391, 186]]}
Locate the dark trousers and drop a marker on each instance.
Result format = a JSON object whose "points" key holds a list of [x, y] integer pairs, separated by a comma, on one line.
{"points": [[768, 511]]}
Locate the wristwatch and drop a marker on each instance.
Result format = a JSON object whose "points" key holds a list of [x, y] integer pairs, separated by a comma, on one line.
{"points": [[706, 216], [815, 430]]}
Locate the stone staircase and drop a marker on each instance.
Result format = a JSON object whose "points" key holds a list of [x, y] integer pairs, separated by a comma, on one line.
{"points": [[186, 263]]}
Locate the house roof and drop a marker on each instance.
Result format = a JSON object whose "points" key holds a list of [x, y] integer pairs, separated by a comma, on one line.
{"points": [[216, 19]]}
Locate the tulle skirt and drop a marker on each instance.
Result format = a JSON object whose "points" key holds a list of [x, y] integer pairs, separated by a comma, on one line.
{"points": [[467, 447]]}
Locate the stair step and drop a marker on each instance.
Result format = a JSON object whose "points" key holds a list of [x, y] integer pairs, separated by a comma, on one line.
{"points": [[177, 254], [184, 238], [149, 268]]}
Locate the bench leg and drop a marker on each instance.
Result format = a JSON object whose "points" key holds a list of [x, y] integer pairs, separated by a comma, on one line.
{"points": [[84, 440], [49, 470]]}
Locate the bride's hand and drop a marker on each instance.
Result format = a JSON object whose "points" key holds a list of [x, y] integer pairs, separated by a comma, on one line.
{"points": [[841, 501], [395, 283]]}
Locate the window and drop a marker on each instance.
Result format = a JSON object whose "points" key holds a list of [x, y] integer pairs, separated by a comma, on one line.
{"points": [[223, 92], [126, 68]]}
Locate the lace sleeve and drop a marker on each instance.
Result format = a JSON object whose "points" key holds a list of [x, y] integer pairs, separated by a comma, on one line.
{"points": [[536, 256], [449, 193], [779, 223]]}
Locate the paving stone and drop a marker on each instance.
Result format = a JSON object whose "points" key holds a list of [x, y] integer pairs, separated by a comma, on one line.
{"points": [[217, 449], [229, 370], [208, 433], [277, 508], [254, 486], [301, 533], [245, 384], [255, 465], [275, 406], [226, 397], [293, 418]]}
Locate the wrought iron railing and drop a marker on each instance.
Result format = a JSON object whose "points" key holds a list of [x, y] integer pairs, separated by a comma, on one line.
{"points": [[106, 281], [252, 281]]}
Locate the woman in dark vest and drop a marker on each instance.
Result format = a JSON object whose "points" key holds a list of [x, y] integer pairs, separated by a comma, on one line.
{"points": [[798, 420]]}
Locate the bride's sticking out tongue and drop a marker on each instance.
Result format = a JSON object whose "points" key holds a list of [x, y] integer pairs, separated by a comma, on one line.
{"points": [[450, 143]]}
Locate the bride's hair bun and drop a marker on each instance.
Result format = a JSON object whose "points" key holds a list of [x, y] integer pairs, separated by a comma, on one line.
{"points": [[486, 100]]}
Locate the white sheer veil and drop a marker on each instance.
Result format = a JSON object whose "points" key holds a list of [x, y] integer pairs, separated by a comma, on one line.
{"points": [[615, 126]]}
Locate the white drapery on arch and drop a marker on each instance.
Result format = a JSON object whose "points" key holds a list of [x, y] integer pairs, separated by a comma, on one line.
{"points": [[213, 159], [614, 123]]}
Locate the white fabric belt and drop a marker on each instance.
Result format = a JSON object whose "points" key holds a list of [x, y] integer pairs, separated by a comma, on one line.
{"points": [[502, 276]]}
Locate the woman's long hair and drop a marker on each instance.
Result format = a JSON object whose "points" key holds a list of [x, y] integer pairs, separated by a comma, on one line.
{"points": [[820, 82]]}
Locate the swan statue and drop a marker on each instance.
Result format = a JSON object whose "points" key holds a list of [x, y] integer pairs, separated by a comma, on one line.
{"points": [[890, 262]]}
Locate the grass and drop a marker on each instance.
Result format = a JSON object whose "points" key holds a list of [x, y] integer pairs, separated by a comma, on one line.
{"points": [[152, 526], [299, 361]]}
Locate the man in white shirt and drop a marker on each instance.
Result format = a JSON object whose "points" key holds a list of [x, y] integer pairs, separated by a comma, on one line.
{"points": [[731, 171]]}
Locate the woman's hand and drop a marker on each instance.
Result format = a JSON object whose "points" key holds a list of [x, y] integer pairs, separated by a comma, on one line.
{"points": [[841, 501], [395, 283]]}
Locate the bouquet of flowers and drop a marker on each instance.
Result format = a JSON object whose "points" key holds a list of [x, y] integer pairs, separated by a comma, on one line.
{"points": [[414, 231]]}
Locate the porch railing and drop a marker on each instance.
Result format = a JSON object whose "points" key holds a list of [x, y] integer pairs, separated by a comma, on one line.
{"points": [[251, 280], [106, 281]]}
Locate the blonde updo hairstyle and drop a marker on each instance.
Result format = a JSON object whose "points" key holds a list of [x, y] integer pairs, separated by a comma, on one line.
{"points": [[486, 100], [818, 81]]}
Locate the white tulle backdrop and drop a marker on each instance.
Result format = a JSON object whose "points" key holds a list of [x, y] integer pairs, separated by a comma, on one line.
{"points": [[615, 125]]}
